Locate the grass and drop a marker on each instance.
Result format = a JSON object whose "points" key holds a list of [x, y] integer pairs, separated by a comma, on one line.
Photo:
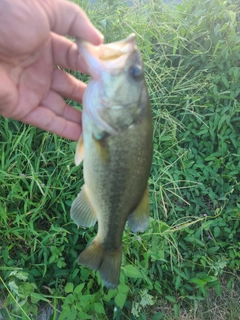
{"points": [[186, 265], [222, 307]]}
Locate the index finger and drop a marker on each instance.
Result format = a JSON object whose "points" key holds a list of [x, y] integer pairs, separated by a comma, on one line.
{"points": [[69, 19]]}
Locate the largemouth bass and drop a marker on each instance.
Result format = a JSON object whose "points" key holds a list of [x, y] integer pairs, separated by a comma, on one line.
{"points": [[117, 147]]}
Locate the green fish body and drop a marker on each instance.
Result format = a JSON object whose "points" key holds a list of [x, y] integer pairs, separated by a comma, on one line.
{"points": [[116, 146]]}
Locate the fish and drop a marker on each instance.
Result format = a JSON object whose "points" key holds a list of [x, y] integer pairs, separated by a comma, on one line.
{"points": [[116, 148]]}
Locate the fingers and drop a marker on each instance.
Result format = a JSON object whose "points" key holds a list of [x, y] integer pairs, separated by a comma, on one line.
{"points": [[67, 86], [66, 54], [58, 106], [8, 94], [70, 19], [46, 119], [53, 114]]}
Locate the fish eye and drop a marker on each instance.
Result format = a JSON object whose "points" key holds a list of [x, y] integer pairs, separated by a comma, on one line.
{"points": [[136, 72]]}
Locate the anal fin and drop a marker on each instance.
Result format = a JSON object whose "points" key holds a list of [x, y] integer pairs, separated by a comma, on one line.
{"points": [[138, 220], [82, 212]]}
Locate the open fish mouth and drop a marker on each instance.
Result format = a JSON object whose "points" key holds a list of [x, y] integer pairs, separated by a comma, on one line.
{"points": [[116, 49], [110, 56]]}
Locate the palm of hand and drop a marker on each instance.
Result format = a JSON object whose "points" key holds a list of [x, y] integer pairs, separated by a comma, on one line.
{"points": [[33, 89]]}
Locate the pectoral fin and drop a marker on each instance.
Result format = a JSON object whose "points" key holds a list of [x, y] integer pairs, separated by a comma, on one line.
{"points": [[79, 154], [82, 212], [101, 145], [138, 220]]}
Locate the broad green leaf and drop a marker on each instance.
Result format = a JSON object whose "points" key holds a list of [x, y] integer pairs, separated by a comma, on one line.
{"points": [[206, 224], [176, 310], [178, 282], [120, 299], [225, 81], [79, 288], [196, 298], [216, 231], [110, 294], [171, 299], [99, 308], [39, 296], [66, 314], [69, 287], [198, 281], [212, 250], [216, 29], [202, 132], [122, 287], [19, 275], [131, 271]]}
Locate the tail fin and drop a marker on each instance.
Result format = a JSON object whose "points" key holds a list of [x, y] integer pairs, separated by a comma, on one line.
{"points": [[107, 262]]}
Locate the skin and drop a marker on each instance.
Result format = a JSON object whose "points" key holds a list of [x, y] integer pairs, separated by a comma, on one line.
{"points": [[32, 43]]}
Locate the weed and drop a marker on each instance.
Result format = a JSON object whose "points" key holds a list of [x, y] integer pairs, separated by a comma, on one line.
{"points": [[175, 269]]}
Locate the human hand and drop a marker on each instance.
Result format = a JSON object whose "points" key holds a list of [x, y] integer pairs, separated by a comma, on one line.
{"points": [[32, 43]]}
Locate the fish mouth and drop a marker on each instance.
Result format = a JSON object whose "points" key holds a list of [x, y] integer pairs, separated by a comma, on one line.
{"points": [[116, 49], [106, 57]]}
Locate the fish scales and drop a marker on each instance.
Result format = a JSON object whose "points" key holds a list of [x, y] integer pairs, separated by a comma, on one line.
{"points": [[116, 191], [117, 149]]}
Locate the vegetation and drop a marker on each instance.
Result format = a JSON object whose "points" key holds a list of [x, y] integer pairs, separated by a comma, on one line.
{"points": [[189, 255]]}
